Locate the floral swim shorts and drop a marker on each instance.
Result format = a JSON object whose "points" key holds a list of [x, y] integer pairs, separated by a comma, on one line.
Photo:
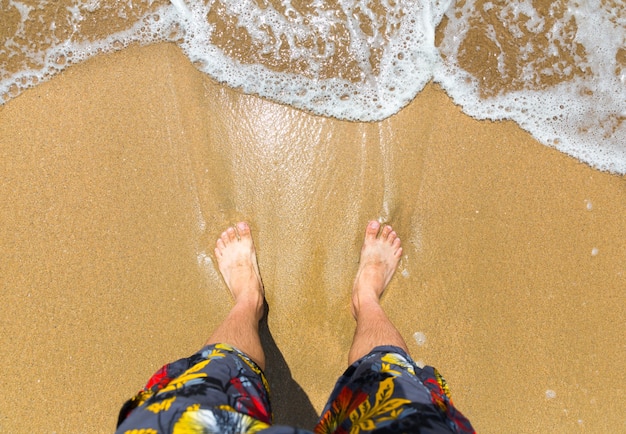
{"points": [[221, 390]]}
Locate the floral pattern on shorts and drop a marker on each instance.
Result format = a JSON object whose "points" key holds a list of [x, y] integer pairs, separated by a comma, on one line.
{"points": [[221, 390], [215, 388]]}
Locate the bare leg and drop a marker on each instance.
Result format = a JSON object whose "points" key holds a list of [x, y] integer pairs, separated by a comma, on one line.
{"points": [[236, 258], [380, 255]]}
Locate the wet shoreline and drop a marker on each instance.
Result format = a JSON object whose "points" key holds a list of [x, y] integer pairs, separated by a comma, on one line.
{"points": [[119, 174]]}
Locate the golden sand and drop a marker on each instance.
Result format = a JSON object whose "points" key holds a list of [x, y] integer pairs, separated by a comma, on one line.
{"points": [[118, 175]]}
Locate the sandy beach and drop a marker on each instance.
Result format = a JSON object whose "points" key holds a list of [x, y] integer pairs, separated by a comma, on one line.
{"points": [[119, 174]]}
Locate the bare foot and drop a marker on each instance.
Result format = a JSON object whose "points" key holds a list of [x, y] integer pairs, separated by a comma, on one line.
{"points": [[380, 256], [236, 258]]}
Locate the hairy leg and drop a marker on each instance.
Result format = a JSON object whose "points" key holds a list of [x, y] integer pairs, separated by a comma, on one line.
{"points": [[380, 256], [236, 258]]}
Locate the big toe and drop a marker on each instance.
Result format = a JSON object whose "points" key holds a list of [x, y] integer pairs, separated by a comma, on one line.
{"points": [[371, 232], [243, 229]]}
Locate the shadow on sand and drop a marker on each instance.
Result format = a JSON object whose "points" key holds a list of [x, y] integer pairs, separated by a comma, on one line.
{"points": [[290, 403]]}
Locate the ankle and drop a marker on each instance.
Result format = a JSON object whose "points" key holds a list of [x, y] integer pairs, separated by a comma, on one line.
{"points": [[364, 303], [253, 305]]}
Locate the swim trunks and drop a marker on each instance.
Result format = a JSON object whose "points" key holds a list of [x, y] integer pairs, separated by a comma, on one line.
{"points": [[221, 390]]}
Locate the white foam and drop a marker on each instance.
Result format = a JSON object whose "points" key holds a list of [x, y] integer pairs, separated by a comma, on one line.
{"points": [[204, 260], [205, 263], [582, 116], [404, 36], [420, 338], [153, 27]]}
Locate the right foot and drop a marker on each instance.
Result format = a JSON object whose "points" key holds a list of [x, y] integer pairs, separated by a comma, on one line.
{"points": [[380, 256], [236, 259]]}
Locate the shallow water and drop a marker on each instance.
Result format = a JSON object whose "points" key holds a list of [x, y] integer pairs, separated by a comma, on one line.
{"points": [[558, 69]]}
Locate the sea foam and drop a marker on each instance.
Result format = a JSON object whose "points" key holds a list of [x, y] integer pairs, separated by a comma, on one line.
{"points": [[384, 58], [559, 70], [565, 82]]}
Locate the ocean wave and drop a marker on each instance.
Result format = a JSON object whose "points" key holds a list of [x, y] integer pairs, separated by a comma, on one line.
{"points": [[557, 69]]}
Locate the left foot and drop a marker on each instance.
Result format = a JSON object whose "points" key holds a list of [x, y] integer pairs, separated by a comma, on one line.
{"points": [[236, 258]]}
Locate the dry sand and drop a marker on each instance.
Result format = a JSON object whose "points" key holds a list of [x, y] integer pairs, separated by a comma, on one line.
{"points": [[118, 175]]}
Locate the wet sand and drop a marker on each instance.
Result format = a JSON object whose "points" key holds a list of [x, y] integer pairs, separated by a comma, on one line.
{"points": [[118, 175]]}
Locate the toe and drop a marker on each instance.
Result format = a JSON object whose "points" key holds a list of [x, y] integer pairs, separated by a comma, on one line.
{"points": [[372, 229], [386, 231], [397, 242], [231, 234], [243, 229]]}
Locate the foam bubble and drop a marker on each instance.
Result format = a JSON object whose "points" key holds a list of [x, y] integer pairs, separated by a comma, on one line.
{"points": [[550, 394], [204, 259], [420, 338]]}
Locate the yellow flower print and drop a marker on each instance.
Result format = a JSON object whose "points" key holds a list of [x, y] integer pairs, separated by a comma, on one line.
{"points": [[141, 397], [255, 369], [386, 368], [224, 347], [196, 420], [164, 405], [366, 416], [443, 384], [396, 359], [142, 431], [187, 424], [188, 375], [252, 365], [216, 353], [345, 403]]}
